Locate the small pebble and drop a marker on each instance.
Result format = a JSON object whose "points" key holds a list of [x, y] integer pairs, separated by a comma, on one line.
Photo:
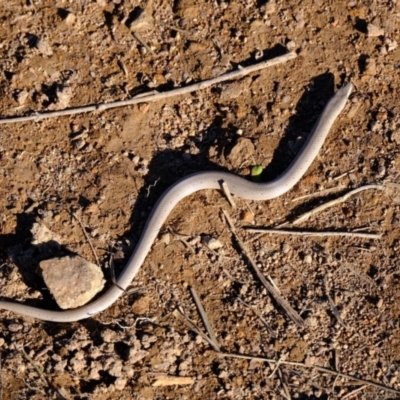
{"points": [[44, 47], [374, 31], [14, 328], [247, 216], [308, 259], [291, 45], [70, 19], [285, 248], [211, 243]]}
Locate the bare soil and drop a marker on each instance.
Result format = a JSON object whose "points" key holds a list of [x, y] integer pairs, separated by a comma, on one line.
{"points": [[111, 167]]}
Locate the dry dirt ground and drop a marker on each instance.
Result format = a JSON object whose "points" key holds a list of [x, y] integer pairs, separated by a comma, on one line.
{"points": [[110, 168]]}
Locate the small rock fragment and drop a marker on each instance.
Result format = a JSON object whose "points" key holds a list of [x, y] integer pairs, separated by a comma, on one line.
{"points": [[14, 328], [308, 259], [290, 45], [142, 22], [70, 19], [211, 243], [115, 368], [270, 7], [44, 47], [141, 306], [247, 216], [135, 354], [120, 383], [42, 234], [374, 31], [78, 362], [22, 97], [165, 238], [285, 248], [72, 281], [391, 44], [395, 136], [109, 336], [370, 66], [299, 18]]}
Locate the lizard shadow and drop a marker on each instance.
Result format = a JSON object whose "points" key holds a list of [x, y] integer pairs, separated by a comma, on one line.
{"points": [[167, 166]]}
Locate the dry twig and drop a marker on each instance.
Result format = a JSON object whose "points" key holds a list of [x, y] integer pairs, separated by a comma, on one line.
{"points": [[291, 313], [335, 311], [309, 233], [58, 391], [183, 317], [205, 318], [316, 367], [1, 381], [173, 380], [156, 96], [228, 195], [354, 392], [266, 324], [87, 237], [143, 43], [321, 193], [332, 203]]}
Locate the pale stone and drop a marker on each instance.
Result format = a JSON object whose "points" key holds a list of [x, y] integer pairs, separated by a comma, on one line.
{"points": [[72, 281]]}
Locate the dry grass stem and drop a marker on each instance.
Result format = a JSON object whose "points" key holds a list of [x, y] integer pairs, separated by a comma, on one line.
{"points": [[321, 193], [43, 377], [343, 175], [316, 367], [204, 317], [173, 380], [260, 317], [143, 43], [354, 392], [332, 203], [291, 313], [87, 237], [335, 311], [309, 233], [228, 195], [1, 381], [184, 318], [242, 71]]}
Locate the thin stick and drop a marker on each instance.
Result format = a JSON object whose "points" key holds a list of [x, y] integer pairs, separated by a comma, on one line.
{"points": [[343, 175], [332, 203], [291, 313], [183, 317], [352, 393], [284, 385], [309, 233], [321, 193], [228, 195], [156, 96], [204, 317], [317, 367], [1, 381], [269, 329], [34, 365], [87, 237], [335, 311], [41, 375], [143, 43]]}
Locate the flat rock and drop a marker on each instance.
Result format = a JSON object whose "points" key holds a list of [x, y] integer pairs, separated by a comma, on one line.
{"points": [[73, 281], [374, 31]]}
